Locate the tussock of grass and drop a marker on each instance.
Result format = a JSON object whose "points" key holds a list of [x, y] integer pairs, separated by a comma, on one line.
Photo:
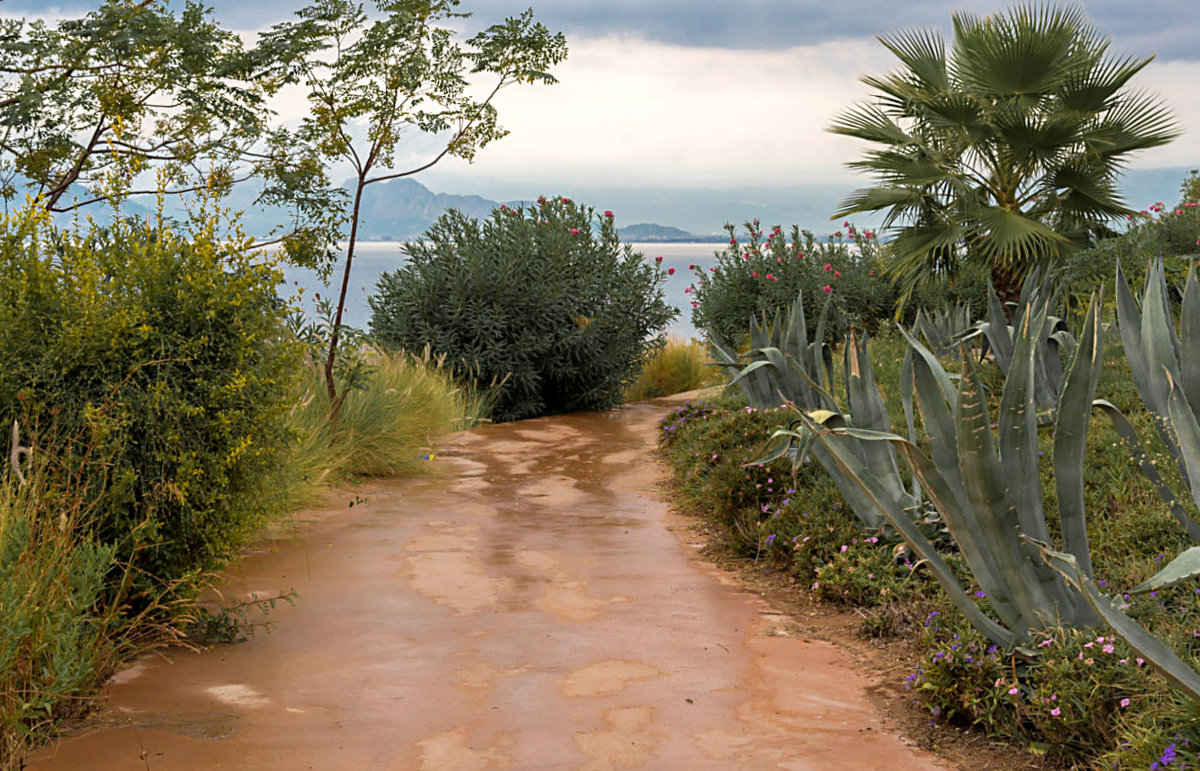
{"points": [[65, 619], [680, 365], [385, 427]]}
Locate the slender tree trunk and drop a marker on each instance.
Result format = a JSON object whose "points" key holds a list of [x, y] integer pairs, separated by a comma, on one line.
{"points": [[334, 402]]}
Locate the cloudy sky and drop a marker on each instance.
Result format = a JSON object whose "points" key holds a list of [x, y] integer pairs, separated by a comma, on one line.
{"points": [[725, 102]]}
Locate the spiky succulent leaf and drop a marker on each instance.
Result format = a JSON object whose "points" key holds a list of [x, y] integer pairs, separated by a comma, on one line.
{"points": [[1183, 567], [1070, 435], [1133, 443], [1149, 647], [853, 475]]}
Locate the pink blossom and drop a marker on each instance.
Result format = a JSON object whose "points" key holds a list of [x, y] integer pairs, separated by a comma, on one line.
{"points": [[827, 267], [574, 231], [837, 274], [670, 271], [754, 274], [503, 207], [658, 259], [565, 200], [827, 289], [691, 267], [1013, 691], [688, 290], [733, 242], [608, 214], [1124, 702], [871, 272], [1056, 712]]}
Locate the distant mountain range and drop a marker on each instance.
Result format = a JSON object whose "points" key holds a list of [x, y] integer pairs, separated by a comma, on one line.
{"points": [[403, 209]]}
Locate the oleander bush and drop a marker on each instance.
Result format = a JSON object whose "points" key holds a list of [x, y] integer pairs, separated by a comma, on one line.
{"points": [[543, 300], [767, 270], [155, 361]]}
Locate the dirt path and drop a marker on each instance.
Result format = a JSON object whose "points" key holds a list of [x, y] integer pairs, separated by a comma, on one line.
{"points": [[526, 608]]}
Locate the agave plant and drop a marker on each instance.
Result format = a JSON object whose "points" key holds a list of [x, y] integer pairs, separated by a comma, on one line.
{"points": [[784, 365], [865, 410], [988, 491], [1053, 348], [1165, 366], [944, 327]]}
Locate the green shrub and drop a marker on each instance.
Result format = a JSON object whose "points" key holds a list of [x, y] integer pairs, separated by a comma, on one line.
{"points": [[1159, 231], [676, 367], [563, 315], [166, 352], [767, 272]]}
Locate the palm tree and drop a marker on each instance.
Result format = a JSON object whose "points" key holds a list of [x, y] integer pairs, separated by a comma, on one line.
{"points": [[1005, 150]]}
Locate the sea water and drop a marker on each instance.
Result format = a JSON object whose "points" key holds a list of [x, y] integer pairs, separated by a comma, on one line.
{"points": [[373, 258]]}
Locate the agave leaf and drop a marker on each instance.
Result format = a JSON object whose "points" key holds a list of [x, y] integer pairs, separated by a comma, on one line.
{"points": [[853, 474], [1134, 444], [997, 330], [1017, 423], [949, 392], [906, 399], [1187, 433], [1158, 332], [1130, 322], [937, 415], [985, 482], [779, 444], [1183, 567], [1190, 340], [1159, 656], [868, 411], [750, 369], [1070, 435]]}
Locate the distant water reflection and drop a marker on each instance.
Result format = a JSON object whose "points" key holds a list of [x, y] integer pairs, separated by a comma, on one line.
{"points": [[374, 258]]}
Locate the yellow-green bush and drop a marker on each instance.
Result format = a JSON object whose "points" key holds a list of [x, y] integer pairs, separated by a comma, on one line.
{"points": [[678, 366], [160, 359]]}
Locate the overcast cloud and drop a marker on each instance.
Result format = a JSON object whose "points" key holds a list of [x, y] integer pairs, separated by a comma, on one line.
{"points": [[1165, 27], [722, 94]]}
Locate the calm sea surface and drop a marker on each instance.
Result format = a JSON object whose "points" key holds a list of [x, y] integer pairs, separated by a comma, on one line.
{"points": [[372, 259]]}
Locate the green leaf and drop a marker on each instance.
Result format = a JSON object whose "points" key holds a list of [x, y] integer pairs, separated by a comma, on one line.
{"points": [[1070, 435], [1149, 647], [1183, 567]]}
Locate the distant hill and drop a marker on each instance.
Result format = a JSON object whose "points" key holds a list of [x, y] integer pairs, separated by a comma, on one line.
{"points": [[653, 233], [403, 209]]}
